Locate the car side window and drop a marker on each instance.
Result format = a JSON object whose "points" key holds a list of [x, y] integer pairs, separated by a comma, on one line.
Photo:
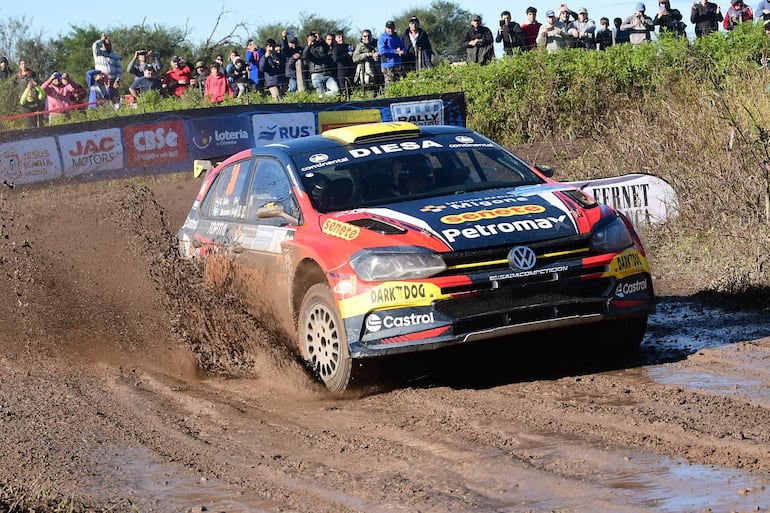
{"points": [[270, 185], [227, 196]]}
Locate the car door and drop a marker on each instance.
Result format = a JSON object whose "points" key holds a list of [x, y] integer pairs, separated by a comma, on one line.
{"points": [[272, 217]]}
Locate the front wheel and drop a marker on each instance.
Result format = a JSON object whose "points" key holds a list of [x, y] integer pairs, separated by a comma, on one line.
{"points": [[322, 339]]}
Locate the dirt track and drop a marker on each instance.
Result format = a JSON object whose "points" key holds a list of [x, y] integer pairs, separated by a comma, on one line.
{"points": [[102, 398]]}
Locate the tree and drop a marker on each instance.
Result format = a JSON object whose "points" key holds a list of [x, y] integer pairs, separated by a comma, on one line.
{"points": [[445, 22]]}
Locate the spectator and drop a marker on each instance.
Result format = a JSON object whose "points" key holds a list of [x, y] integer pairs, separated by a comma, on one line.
{"points": [[140, 60], [319, 63], [509, 34], [293, 54], [638, 25], [391, 50], [58, 94], [238, 74], [253, 59], [669, 20], [621, 35], [24, 72], [199, 79], [342, 55], [736, 14], [5, 71], [604, 36], [217, 84], [105, 60], [177, 79], [585, 30], [33, 100], [530, 29], [418, 52], [367, 58], [79, 94], [98, 92], [273, 66], [705, 16], [479, 42], [762, 12], [554, 33], [147, 82]]}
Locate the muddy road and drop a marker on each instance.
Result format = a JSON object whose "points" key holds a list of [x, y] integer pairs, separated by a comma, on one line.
{"points": [[126, 385]]}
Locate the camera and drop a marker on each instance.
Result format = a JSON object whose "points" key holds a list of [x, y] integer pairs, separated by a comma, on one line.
{"points": [[502, 22]]}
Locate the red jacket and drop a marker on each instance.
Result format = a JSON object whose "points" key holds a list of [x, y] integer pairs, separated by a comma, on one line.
{"points": [[178, 79], [216, 87]]}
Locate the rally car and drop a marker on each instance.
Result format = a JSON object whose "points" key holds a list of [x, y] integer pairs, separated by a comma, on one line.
{"points": [[389, 238]]}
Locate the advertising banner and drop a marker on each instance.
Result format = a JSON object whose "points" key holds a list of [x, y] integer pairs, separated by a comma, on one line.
{"points": [[279, 126], [91, 152], [30, 161], [212, 137], [152, 144], [644, 199], [425, 112]]}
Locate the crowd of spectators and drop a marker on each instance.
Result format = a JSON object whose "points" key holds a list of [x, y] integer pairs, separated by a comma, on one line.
{"points": [[331, 66]]}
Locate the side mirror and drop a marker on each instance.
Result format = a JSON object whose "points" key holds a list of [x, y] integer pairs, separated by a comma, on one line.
{"points": [[272, 210], [545, 170]]}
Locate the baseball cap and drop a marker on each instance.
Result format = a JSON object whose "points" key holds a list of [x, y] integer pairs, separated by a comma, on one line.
{"points": [[582, 10], [476, 17], [640, 7], [414, 19], [390, 25], [293, 39], [57, 75], [549, 14], [199, 64], [175, 58]]}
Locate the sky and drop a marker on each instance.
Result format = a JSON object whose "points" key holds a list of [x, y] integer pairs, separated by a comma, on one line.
{"points": [[52, 19]]}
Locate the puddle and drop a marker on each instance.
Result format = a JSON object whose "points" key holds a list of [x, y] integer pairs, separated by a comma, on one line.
{"points": [[160, 487], [680, 328]]}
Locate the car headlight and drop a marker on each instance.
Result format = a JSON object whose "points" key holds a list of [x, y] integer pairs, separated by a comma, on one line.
{"points": [[612, 237], [396, 263]]}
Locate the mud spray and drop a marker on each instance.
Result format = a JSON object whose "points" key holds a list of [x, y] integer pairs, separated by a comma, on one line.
{"points": [[206, 304]]}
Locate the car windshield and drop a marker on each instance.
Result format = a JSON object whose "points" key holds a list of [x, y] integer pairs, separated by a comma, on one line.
{"points": [[404, 176]]}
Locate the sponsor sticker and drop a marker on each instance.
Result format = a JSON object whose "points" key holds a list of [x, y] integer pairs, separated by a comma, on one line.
{"points": [[340, 229], [466, 217], [384, 149], [627, 263], [379, 321], [627, 289], [497, 229]]}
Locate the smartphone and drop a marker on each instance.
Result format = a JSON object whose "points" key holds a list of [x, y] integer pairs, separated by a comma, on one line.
{"points": [[502, 22]]}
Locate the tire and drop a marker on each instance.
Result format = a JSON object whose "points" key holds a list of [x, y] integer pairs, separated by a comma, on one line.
{"points": [[322, 339]]}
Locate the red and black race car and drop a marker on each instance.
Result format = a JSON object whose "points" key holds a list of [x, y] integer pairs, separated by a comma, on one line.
{"points": [[389, 238]]}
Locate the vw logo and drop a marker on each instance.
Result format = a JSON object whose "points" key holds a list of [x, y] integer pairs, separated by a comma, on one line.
{"points": [[522, 258], [464, 139], [318, 158]]}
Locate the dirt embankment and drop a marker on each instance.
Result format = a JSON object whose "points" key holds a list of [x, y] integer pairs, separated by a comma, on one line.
{"points": [[104, 404]]}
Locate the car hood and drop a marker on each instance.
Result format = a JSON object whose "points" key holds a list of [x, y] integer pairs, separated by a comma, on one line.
{"points": [[485, 218]]}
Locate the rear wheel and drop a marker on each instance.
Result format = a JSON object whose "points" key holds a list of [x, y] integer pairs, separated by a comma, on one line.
{"points": [[322, 338]]}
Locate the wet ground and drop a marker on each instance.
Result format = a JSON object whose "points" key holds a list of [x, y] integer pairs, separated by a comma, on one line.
{"points": [[104, 400]]}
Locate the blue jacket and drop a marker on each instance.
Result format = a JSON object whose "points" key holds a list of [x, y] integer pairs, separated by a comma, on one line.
{"points": [[386, 46]]}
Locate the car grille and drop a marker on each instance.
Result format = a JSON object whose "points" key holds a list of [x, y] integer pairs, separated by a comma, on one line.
{"points": [[496, 258], [491, 304]]}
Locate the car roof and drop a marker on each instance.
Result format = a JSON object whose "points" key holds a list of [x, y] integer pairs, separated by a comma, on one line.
{"points": [[351, 137], [363, 135]]}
